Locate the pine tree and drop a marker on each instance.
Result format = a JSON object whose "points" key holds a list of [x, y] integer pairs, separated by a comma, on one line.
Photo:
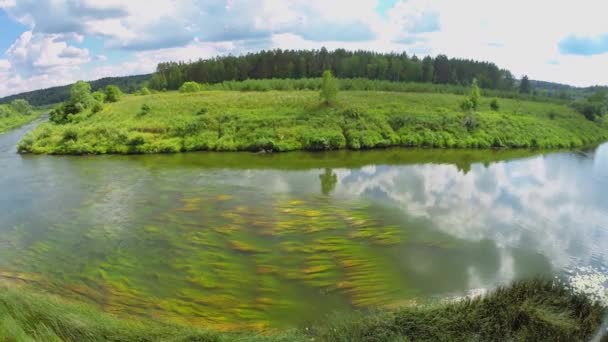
{"points": [[524, 86]]}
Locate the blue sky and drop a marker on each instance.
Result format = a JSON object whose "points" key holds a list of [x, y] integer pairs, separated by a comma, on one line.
{"points": [[53, 42]]}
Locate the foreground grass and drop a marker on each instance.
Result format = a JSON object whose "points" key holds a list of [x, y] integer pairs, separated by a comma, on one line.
{"points": [[294, 120], [530, 311]]}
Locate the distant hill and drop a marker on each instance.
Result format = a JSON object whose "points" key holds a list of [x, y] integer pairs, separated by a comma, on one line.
{"points": [[52, 95]]}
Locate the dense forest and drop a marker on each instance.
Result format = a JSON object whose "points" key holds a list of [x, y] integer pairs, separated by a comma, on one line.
{"points": [[309, 64], [343, 64], [127, 84]]}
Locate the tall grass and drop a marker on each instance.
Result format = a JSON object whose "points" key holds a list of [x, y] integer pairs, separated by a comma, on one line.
{"points": [[296, 120], [533, 310], [364, 84], [10, 118]]}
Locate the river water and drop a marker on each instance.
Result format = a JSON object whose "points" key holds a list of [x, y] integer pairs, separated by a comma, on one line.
{"points": [[235, 240]]}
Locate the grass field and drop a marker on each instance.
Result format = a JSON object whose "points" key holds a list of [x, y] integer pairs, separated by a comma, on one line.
{"points": [[10, 119], [526, 311], [295, 120]]}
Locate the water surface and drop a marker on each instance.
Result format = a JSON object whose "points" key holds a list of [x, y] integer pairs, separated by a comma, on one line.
{"points": [[233, 241]]}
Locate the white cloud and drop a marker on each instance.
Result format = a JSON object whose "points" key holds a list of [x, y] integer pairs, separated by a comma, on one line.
{"points": [[519, 35], [37, 60]]}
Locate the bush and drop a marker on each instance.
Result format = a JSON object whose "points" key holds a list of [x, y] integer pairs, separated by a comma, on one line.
{"points": [[494, 105], [145, 110], [190, 87], [22, 107], [466, 105], [97, 107], [329, 88], [470, 123], [144, 91], [113, 93], [99, 96]]}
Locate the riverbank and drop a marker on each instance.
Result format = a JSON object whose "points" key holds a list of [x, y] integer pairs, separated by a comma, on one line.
{"points": [[11, 119], [281, 121], [532, 311]]}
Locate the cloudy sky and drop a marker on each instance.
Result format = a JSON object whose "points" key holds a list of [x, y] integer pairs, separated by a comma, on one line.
{"points": [[53, 42]]}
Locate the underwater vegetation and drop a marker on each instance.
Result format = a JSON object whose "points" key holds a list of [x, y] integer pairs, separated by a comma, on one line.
{"points": [[533, 310]]}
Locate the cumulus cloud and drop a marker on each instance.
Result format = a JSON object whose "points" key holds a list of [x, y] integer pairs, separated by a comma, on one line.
{"points": [[37, 60], [568, 47]]}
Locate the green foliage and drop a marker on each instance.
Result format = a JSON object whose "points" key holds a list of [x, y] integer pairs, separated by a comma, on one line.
{"points": [[144, 91], [80, 100], [396, 67], [329, 88], [80, 93], [494, 105], [524, 86], [22, 107], [99, 96], [190, 87], [55, 95], [97, 107], [594, 106], [466, 105], [293, 120], [145, 110], [475, 95], [16, 114], [113, 94], [533, 310]]}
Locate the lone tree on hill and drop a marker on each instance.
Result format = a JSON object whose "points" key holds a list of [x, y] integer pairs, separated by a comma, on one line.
{"points": [[524, 86], [329, 88]]}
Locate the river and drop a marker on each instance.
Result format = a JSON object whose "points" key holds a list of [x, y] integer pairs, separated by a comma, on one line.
{"points": [[236, 240]]}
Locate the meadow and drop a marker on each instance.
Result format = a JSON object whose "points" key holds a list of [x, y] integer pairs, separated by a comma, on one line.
{"points": [[11, 118], [286, 120]]}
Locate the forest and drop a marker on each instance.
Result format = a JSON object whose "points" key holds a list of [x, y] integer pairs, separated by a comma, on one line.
{"points": [[396, 67], [56, 95]]}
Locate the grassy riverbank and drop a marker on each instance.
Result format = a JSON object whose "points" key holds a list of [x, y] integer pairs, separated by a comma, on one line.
{"points": [[11, 118], [531, 311], [295, 120]]}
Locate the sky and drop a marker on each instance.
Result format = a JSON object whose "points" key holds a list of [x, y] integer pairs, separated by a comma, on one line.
{"points": [[45, 43]]}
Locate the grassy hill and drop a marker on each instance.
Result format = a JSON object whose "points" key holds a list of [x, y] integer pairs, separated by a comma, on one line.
{"points": [[295, 120], [53, 95], [11, 118]]}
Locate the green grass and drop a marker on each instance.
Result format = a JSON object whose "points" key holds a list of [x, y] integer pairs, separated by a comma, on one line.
{"points": [[10, 119], [525, 311], [295, 120]]}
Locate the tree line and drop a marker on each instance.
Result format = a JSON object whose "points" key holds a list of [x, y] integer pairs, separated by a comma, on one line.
{"points": [[297, 64]]}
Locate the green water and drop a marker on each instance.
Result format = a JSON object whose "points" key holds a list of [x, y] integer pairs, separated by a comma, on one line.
{"points": [[232, 241]]}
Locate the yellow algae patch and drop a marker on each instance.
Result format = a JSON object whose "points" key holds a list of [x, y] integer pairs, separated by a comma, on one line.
{"points": [[223, 198], [317, 269], [190, 205], [244, 247]]}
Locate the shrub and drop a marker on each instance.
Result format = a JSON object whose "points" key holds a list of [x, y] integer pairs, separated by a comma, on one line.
{"points": [[494, 105], [470, 123], [99, 96], [190, 87], [466, 105], [144, 91], [113, 93], [97, 107], [70, 135], [329, 88], [145, 110], [22, 107]]}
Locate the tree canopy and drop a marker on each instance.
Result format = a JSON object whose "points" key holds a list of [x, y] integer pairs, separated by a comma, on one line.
{"points": [[342, 64]]}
